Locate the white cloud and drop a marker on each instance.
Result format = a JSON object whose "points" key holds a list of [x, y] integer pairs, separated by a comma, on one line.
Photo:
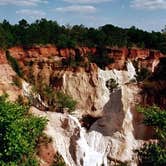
{"points": [[86, 1], [31, 13], [149, 4], [22, 2], [77, 8]]}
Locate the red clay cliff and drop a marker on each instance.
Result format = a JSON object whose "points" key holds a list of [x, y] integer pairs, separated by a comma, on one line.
{"points": [[120, 55]]}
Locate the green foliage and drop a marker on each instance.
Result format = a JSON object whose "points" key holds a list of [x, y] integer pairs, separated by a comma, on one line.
{"points": [[44, 140], [65, 41], [65, 101], [18, 134], [101, 58], [48, 95], [17, 81], [14, 64], [49, 32], [142, 74], [3, 43], [58, 161], [73, 61], [22, 100], [115, 36], [156, 118], [55, 99], [69, 62], [154, 154], [111, 84]]}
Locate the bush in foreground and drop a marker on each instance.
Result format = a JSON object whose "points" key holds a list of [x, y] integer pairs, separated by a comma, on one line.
{"points": [[154, 154], [19, 132]]}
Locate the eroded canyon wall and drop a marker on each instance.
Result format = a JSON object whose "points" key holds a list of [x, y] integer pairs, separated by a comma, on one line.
{"points": [[148, 58], [117, 130]]}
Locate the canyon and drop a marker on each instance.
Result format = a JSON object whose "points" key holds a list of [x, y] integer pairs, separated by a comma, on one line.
{"points": [[148, 58], [115, 129]]}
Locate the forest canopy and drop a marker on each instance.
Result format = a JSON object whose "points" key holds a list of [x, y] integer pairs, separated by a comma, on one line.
{"points": [[45, 31]]}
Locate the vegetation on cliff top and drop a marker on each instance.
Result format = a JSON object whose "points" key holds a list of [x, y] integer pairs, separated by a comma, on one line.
{"points": [[19, 132], [46, 31]]}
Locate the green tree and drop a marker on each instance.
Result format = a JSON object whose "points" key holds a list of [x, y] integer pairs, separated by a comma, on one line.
{"points": [[21, 32], [102, 58], [47, 31], [111, 84], [142, 74], [19, 132], [4, 42], [154, 154], [65, 101], [9, 36]]}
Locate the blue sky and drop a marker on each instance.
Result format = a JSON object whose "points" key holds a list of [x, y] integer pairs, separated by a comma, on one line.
{"points": [[145, 14]]}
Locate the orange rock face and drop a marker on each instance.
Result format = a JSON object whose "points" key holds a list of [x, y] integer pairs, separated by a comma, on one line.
{"points": [[33, 52], [139, 53], [66, 52], [119, 56], [147, 58], [47, 51], [86, 50], [18, 52], [47, 154]]}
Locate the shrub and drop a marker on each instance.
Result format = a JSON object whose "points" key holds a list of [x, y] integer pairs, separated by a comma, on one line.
{"points": [[17, 81], [48, 94], [111, 84], [154, 154], [22, 100], [58, 161], [74, 61], [14, 63], [69, 62], [102, 58], [55, 99], [44, 140], [18, 134], [65, 101], [64, 41], [142, 74]]}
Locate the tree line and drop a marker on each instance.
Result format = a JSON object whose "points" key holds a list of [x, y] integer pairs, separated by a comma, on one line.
{"points": [[45, 31]]}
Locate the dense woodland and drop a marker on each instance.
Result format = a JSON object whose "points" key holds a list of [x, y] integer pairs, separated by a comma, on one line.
{"points": [[46, 31]]}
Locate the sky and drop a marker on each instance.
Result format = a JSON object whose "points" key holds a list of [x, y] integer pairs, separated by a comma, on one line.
{"points": [[144, 14]]}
